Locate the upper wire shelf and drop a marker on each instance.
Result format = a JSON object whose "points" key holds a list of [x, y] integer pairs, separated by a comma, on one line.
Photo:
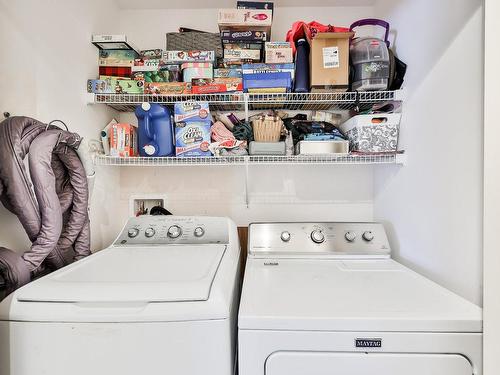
{"points": [[339, 159], [243, 102]]}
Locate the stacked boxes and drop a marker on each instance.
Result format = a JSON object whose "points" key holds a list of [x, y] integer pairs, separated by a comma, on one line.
{"points": [[192, 129]]}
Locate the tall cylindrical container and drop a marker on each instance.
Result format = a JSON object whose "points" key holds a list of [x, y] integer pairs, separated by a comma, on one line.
{"points": [[302, 81], [156, 131]]}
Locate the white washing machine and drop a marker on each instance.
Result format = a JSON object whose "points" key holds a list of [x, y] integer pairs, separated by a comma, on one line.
{"points": [[162, 299], [325, 298]]}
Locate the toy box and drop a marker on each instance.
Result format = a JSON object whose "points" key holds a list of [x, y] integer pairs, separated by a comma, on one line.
{"points": [[167, 73], [120, 57], [196, 70], [192, 138], [232, 36], [151, 54], [116, 71], [115, 85], [279, 53], [216, 85], [146, 65], [227, 73], [244, 17], [173, 57], [167, 88], [251, 54], [122, 140], [192, 111]]}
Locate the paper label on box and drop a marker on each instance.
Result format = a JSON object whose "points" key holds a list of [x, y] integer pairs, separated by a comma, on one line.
{"points": [[331, 57]]}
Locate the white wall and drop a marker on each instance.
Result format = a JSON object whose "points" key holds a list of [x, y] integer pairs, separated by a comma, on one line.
{"points": [[491, 301], [434, 204], [46, 59], [276, 192]]}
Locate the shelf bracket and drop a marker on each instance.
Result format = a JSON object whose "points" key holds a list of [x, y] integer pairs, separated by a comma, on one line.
{"points": [[245, 103], [247, 194]]}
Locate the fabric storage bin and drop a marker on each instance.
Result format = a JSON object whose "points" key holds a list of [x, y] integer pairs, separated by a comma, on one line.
{"points": [[373, 133], [194, 40]]}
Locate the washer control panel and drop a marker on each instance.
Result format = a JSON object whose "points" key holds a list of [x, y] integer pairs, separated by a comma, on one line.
{"points": [[150, 230], [307, 239]]}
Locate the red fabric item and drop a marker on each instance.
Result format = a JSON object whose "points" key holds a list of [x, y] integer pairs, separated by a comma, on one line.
{"points": [[300, 29]]}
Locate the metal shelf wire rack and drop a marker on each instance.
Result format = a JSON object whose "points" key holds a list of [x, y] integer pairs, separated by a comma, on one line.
{"points": [[245, 102], [338, 159]]}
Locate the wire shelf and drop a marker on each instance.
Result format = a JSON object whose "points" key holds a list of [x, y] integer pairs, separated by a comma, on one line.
{"points": [[339, 159], [128, 102], [240, 101]]}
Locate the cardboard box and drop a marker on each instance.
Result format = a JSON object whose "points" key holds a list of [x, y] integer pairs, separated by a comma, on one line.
{"points": [[216, 85], [234, 36], [122, 140], [227, 73], [174, 57], [167, 88], [329, 61], [119, 57], [196, 70], [192, 129], [148, 65], [246, 54], [115, 85], [255, 5], [245, 17], [279, 53]]}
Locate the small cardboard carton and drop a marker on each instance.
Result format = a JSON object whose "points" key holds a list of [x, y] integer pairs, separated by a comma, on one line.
{"points": [[329, 61]]}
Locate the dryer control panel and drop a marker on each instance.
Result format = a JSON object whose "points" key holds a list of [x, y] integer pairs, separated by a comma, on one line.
{"points": [[318, 239], [164, 230]]}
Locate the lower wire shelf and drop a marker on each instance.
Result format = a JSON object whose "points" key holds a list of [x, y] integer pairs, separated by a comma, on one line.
{"points": [[338, 159]]}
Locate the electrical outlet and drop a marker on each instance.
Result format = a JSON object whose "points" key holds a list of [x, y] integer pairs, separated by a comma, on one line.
{"points": [[141, 204]]}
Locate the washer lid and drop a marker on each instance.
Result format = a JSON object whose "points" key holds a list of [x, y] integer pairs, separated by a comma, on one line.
{"points": [[132, 274], [349, 295]]}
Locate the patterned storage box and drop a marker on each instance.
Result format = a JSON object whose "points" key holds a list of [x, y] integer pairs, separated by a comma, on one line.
{"points": [[373, 133]]}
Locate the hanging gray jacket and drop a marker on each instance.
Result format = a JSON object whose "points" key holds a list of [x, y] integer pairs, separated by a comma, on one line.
{"points": [[51, 201]]}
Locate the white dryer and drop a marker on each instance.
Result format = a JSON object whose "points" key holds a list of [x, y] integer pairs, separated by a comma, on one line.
{"points": [[162, 299], [325, 298]]}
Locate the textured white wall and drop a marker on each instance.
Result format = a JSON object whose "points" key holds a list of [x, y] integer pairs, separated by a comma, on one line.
{"points": [[491, 347], [434, 204], [47, 57]]}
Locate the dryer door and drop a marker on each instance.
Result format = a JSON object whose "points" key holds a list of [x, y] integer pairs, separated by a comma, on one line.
{"points": [[303, 363]]}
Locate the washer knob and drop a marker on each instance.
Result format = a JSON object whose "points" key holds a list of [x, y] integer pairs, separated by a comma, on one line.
{"points": [[149, 232], [133, 232], [285, 236], [368, 236], [317, 236], [174, 231], [350, 236], [199, 232]]}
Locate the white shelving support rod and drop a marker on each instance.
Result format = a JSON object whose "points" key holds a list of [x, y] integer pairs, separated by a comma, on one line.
{"points": [[245, 98], [247, 193]]}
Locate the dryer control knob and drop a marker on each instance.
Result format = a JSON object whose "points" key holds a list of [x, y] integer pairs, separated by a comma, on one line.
{"points": [[368, 236], [317, 236], [174, 231], [350, 236], [133, 232], [199, 232], [149, 232], [285, 236]]}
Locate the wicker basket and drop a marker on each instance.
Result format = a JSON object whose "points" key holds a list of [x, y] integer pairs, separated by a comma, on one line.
{"points": [[267, 130], [193, 40]]}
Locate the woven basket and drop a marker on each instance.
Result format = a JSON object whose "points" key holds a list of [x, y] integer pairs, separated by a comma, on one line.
{"points": [[193, 40], [267, 130]]}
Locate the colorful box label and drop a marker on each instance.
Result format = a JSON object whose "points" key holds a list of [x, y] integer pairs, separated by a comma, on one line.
{"points": [[192, 138]]}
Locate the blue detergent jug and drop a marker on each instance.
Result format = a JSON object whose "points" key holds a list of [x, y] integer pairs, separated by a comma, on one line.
{"points": [[155, 131]]}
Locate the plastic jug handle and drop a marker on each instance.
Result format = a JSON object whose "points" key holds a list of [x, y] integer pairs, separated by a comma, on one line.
{"points": [[148, 127], [373, 22]]}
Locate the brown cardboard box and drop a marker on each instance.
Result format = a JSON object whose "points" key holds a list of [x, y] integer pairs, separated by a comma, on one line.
{"points": [[329, 61], [246, 20]]}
